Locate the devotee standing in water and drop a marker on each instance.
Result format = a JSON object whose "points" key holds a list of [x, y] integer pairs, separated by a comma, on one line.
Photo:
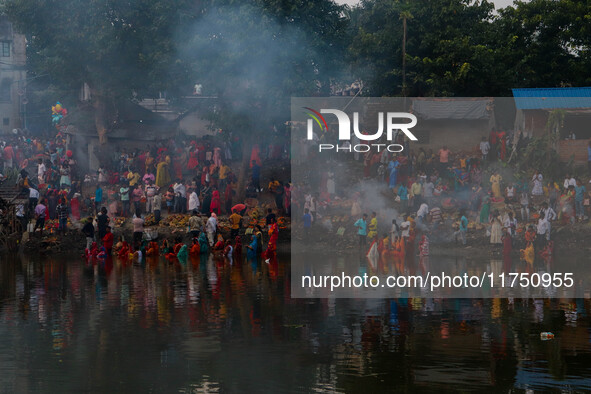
{"points": [[361, 225]]}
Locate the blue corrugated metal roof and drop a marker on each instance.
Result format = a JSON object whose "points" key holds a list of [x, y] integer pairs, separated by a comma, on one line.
{"points": [[551, 98]]}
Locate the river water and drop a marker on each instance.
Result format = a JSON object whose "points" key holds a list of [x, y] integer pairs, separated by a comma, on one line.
{"points": [[216, 326]]}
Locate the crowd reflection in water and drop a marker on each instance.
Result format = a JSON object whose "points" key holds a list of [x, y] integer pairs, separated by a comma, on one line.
{"points": [[220, 322]]}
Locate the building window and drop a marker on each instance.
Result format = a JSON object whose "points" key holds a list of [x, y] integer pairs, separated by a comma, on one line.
{"points": [[5, 86], [5, 49], [6, 121]]}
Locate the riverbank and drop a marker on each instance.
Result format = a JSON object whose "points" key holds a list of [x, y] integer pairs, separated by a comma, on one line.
{"points": [[567, 239]]}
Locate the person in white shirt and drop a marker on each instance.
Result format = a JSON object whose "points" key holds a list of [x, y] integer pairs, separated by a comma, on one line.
{"points": [[156, 206], [550, 215], [510, 192], [422, 212], [484, 148], [193, 201], [405, 227], [211, 227], [569, 181], [150, 191], [537, 179], [542, 229], [33, 198], [41, 169], [20, 214], [510, 224]]}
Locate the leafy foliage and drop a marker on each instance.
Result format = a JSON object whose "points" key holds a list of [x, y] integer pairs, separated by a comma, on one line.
{"points": [[255, 54], [117, 47], [445, 49], [461, 48], [541, 156]]}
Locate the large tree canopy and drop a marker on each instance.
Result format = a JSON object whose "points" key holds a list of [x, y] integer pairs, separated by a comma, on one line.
{"points": [[463, 48], [118, 48], [445, 50], [255, 54]]}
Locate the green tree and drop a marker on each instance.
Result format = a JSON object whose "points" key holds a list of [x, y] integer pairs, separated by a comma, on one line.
{"points": [[119, 48], [446, 48], [545, 43]]}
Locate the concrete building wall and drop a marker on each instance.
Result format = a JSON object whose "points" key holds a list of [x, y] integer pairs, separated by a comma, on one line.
{"points": [[12, 77]]}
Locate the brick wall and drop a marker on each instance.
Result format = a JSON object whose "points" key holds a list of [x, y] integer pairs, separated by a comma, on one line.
{"points": [[578, 148]]}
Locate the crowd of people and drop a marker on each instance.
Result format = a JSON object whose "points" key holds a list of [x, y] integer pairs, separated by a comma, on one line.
{"points": [[477, 189], [195, 176], [204, 235], [177, 176]]}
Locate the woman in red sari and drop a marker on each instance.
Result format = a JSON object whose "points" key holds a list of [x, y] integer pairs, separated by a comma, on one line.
{"points": [[123, 253], [193, 159], [215, 203], [200, 152], [287, 198], [75, 205], [507, 243]]}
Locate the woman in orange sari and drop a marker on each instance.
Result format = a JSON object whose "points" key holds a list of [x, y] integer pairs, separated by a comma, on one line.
{"points": [[195, 248], [273, 237], [153, 249]]}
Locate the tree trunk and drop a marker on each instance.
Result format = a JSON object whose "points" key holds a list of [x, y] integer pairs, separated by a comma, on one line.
{"points": [[100, 113], [404, 56]]}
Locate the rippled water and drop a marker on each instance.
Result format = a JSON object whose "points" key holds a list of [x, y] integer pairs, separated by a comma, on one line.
{"points": [[216, 326]]}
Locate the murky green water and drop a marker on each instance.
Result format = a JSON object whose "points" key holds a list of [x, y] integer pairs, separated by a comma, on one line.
{"points": [[212, 326]]}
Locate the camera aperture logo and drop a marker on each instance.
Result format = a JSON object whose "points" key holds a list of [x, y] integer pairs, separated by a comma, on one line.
{"points": [[344, 133]]}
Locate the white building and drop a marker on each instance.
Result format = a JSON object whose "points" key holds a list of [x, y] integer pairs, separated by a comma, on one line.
{"points": [[12, 77]]}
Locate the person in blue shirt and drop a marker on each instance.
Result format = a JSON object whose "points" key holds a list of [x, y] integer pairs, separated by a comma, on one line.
{"points": [[307, 223], [361, 224], [463, 229], [403, 194], [98, 198], [393, 170], [252, 248], [579, 197]]}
